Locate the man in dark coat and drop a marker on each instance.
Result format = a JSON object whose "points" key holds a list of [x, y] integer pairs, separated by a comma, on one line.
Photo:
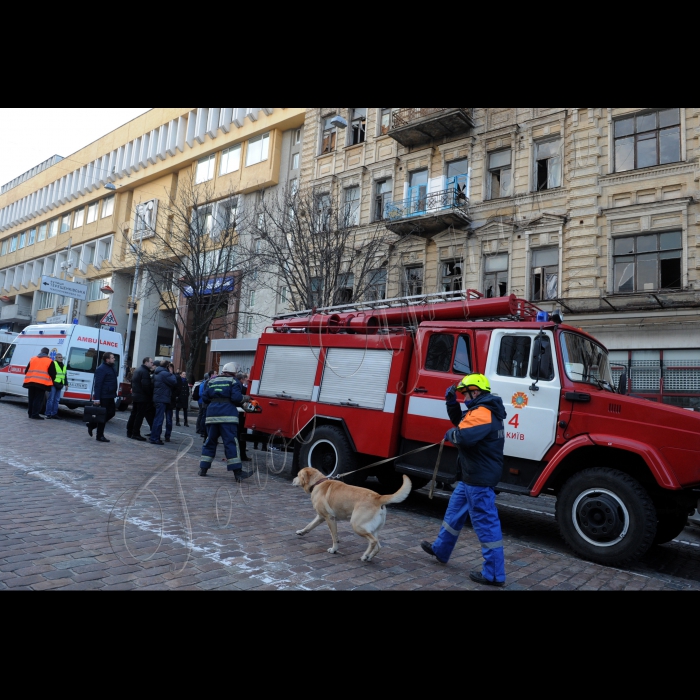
{"points": [[105, 393], [163, 384], [480, 438], [183, 399], [142, 392]]}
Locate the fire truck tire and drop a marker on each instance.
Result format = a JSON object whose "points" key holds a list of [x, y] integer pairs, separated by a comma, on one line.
{"points": [[606, 516], [331, 453], [670, 526]]}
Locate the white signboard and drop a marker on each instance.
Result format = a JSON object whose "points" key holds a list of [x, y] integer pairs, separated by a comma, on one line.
{"points": [[57, 319], [64, 289]]}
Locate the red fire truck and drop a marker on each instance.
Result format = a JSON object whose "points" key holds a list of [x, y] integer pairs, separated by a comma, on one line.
{"points": [[353, 385]]}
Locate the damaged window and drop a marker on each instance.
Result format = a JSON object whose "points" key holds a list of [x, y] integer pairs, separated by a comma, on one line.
{"points": [[413, 281], [330, 133], [648, 263], [452, 276], [545, 274], [358, 130], [500, 176], [496, 276], [548, 165]]}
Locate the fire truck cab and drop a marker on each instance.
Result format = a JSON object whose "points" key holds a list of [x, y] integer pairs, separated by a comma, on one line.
{"points": [[355, 385]]}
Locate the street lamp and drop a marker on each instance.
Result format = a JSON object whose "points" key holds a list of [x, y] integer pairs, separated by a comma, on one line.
{"points": [[110, 186]]}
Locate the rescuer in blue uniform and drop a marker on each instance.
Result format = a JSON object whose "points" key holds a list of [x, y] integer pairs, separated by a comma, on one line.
{"points": [[480, 439], [223, 396]]}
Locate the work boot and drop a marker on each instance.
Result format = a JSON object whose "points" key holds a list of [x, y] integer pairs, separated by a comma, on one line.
{"points": [[203, 472], [478, 577], [428, 549], [240, 475]]}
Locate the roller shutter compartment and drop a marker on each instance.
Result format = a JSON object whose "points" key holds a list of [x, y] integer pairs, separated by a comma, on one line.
{"points": [[356, 377], [289, 373]]}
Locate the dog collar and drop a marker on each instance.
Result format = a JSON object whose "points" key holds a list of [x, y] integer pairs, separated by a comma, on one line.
{"points": [[318, 483]]}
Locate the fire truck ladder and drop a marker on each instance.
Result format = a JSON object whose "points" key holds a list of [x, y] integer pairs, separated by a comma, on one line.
{"points": [[397, 303]]}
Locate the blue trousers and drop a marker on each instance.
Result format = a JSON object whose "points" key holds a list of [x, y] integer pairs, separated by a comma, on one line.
{"points": [[52, 403], [480, 503], [162, 414], [229, 434]]}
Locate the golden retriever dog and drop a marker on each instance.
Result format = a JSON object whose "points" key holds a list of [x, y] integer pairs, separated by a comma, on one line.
{"points": [[334, 501]]}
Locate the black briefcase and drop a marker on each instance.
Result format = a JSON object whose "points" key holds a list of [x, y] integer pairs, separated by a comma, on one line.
{"points": [[95, 414]]}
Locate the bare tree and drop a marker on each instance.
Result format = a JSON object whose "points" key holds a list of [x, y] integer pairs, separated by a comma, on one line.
{"points": [[188, 246], [311, 242]]}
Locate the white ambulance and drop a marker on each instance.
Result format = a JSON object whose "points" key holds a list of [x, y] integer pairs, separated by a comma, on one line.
{"points": [[79, 347]]}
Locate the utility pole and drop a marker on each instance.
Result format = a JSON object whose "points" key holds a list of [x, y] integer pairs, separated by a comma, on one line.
{"points": [[63, 274], [134, 289]]}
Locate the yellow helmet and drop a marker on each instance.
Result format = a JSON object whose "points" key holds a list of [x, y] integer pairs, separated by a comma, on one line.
{"points": [[474, 381]]}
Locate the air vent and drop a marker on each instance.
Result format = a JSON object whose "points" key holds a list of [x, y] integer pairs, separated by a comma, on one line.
{"points": [[615, 408]]}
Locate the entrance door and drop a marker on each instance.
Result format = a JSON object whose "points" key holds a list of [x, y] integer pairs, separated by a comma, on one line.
{"points": [[531, 401]]}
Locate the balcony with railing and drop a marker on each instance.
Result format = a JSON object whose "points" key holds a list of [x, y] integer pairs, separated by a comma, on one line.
{"points": [[414, 126], [428, 213]]}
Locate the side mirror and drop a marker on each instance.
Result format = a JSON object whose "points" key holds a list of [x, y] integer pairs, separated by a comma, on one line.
{"points": [[622, 385]]}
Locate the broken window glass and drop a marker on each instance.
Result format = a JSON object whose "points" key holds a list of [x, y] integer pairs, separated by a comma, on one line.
{"points": [[500, 181], [548, 157], [648, 263], [358, 132]]}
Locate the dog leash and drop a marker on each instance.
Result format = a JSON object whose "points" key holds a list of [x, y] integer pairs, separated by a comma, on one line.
{"points": [[393, 459]]}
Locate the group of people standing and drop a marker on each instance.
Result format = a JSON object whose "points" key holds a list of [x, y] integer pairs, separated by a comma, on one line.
{"points": [[158, 392]]}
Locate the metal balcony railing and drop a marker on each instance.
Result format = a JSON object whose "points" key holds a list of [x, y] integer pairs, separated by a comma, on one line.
{"points": [[429, 204], [407, 115]]}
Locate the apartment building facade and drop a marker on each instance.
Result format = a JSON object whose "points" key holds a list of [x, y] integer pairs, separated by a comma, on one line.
{"points": [[75, 217], [591, 210]]}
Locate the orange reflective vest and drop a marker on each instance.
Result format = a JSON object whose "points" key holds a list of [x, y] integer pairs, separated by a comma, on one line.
{"points": [[38, 372]]}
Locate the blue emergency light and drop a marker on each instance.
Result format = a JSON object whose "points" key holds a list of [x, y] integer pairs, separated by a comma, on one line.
{"points": [[542, 317]]}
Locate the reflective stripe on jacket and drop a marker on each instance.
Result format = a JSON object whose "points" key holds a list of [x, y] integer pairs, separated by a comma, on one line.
{"points": [[38, 372], [222, 397]]}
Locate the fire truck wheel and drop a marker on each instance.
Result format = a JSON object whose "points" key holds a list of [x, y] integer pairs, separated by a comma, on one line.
{"points": [[670, 526], [330, 451], [606, 516]]}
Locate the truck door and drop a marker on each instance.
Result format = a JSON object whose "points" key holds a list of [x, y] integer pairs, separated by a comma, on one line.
{"points": [[442, 358], [524, 373]]}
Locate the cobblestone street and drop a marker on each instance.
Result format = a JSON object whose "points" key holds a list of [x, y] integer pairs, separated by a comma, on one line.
{"points": [[77, 515]]}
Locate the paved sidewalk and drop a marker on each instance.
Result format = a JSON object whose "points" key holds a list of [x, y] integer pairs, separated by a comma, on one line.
{"points": [[64, 525]]}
